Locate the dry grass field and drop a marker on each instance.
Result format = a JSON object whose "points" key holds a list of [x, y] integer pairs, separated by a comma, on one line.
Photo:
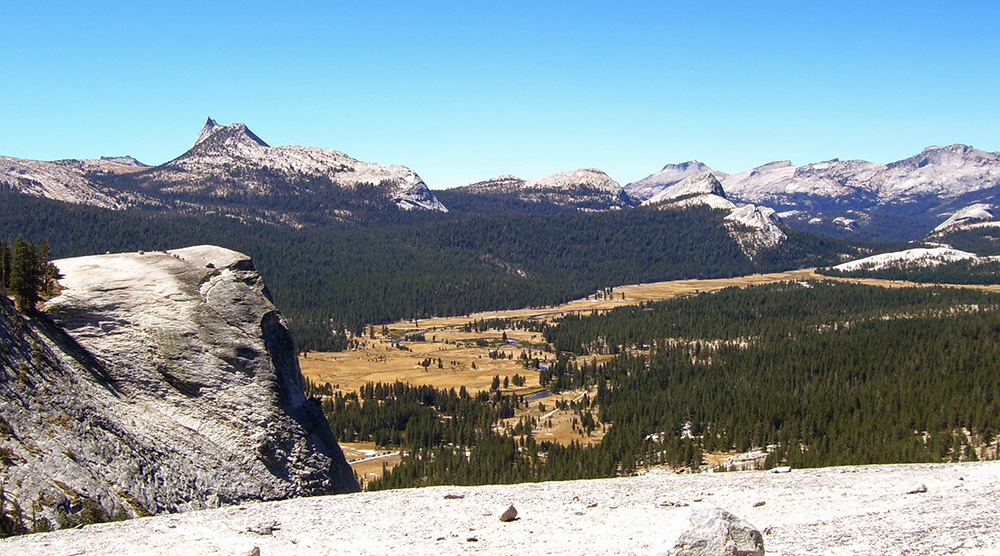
{"points": [[457, 358], [455, 361], [464, 362]]}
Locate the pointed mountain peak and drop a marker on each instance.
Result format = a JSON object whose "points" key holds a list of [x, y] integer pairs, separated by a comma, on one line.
{"points": [[210, 127], [238, 133], [234, 136]]}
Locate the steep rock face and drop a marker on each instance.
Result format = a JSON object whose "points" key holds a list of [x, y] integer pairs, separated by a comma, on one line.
{"points": [[979, 212], [754, 228], [700, 188], [163, 382]]}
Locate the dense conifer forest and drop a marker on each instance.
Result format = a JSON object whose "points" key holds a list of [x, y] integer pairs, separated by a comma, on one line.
{"points": [[983, 241], [400, 265], [819, 373]]}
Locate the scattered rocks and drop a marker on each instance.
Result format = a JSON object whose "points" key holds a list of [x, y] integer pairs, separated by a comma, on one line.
{"points": [[716, 532], [919, 490], [673, 504], [510, 514], [255, 551]]}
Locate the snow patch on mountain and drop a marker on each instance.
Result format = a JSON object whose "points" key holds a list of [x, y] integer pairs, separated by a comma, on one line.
{"points": [[911, 257], [972, 213], [651, 185]]}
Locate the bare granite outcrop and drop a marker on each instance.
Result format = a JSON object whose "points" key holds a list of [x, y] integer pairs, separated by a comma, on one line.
{"points": [[156, 382]]}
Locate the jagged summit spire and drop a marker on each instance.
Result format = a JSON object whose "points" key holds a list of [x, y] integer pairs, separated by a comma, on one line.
{"points": [[206, 130], [211, 127]]}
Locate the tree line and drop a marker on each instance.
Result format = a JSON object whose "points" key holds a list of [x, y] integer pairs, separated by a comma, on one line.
{"points": [[332, 277]]}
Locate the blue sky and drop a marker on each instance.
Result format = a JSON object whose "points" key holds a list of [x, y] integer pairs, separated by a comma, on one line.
{"points": [[461, 92]]}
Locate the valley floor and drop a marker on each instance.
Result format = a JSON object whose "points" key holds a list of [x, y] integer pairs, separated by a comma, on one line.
{"points": [[839, 510]]}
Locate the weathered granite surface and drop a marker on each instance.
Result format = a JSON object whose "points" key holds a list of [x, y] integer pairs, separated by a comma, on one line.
{"points": [[839, 511], [157, 382]]}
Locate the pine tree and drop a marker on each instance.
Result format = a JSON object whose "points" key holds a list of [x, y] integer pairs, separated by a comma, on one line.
{"points": [[4, 265], [24, 280], [31, 274]]}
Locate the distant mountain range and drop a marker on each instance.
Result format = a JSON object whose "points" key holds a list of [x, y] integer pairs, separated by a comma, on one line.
{"points": [[855, 198], [231, 171]]}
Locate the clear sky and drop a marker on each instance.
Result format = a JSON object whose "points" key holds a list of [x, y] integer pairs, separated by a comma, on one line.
{"points": [[465, 91]]}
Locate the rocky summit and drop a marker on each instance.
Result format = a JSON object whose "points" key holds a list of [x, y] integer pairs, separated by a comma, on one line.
{"points": [[156, 382]]}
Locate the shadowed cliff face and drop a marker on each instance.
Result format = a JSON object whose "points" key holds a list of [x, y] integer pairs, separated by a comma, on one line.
{"points": [[158, 382]]}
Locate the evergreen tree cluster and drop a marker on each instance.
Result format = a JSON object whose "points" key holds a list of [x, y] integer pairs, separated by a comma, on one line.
{"points": [[820, 373], [26, 273]]}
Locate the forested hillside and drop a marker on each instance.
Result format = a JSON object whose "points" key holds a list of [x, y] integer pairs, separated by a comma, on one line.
{"points": [[822, 373], [401, 265]]}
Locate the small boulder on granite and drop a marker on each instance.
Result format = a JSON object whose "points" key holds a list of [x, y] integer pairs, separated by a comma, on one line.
{"points": [[510, 514], [919, 490], [715, 532]]}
